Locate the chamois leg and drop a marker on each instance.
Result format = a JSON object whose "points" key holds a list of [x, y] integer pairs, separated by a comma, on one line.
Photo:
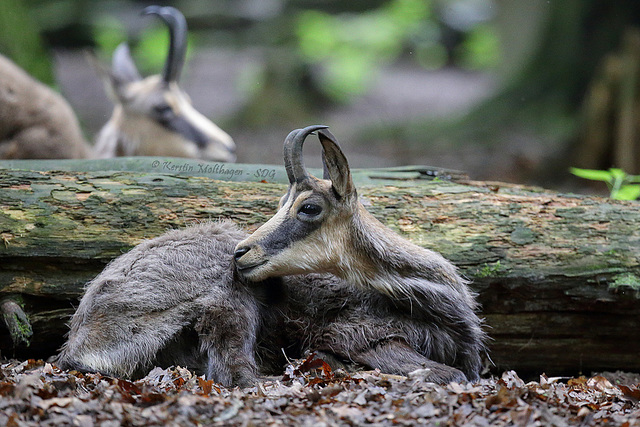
{"points": [[228, 338], [396, 357], [120, 344], [471, 362]]}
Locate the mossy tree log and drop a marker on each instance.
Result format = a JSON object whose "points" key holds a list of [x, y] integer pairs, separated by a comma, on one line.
{"points": [[558, 276]]}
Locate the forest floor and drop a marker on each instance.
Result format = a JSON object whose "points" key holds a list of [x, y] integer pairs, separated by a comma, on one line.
{"points": [[37, 393]]}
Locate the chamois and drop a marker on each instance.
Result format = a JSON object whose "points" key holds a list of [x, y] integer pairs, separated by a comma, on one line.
{"points": [[35, 121], [199, 297], [399, 307], [153, 116]]}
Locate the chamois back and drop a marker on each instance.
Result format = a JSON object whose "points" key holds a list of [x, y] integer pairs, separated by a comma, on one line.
{"points": [[35, 121], [172, 300]]}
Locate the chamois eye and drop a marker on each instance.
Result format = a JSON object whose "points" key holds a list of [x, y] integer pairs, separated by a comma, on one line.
{"points": [[310, 210], [164, 111]]}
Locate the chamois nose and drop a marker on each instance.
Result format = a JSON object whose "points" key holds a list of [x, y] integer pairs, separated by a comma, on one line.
{"points": [[240, 252]]}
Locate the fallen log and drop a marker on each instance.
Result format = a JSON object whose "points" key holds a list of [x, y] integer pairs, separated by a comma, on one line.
{"points": [[558, 276]]}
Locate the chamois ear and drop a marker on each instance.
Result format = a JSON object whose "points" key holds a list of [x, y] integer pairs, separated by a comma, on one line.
{"points": [[123, 69], [336, 166]]}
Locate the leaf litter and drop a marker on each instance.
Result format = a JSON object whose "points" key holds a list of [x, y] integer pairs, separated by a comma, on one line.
{"points": [[310, 393]]}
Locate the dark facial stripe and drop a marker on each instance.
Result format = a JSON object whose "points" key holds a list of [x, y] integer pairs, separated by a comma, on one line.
{"points": [[286, 233], [183, 127]]}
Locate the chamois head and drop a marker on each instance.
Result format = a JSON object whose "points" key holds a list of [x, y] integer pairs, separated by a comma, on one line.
{"points": [[152, 115], [311, 230]]}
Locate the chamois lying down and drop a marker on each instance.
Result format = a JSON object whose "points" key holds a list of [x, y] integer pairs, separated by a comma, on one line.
{"points": [[321, 275], [397, 306]]}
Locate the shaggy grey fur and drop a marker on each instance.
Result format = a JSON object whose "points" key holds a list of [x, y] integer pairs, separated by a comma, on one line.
{"points": [[171, 300], [175, 300]]}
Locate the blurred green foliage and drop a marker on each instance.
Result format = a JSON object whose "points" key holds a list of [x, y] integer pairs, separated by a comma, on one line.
{"points": [[481, 48], [20, 40], [322, 52], [343, 43], [349, 49]]}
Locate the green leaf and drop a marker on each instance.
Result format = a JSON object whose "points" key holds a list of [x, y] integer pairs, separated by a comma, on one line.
{"points": [[593, 174], [618, 174], [628, 192], [633, 178]]}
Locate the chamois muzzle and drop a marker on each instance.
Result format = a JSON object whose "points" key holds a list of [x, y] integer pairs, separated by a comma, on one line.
{"points": [[177, 40], [240, 252], [248, 259]]}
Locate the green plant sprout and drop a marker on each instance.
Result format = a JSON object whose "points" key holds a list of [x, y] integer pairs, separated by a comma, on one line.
{"points": [[622, 186]]}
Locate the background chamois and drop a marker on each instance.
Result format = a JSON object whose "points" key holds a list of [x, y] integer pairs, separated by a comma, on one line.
{"points": [[152, 116]]}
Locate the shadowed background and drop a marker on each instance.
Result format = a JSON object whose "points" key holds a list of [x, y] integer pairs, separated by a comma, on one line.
{"points": [[516, 91]]}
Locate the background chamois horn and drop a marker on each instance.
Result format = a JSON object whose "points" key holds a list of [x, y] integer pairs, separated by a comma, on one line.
{"points": [[177, 40], [293, 159]]}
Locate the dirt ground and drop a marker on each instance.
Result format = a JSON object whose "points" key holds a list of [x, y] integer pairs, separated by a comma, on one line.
{"points": [[34, 393]]}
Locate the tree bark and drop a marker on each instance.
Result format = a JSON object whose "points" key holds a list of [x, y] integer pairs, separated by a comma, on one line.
{"points": [[558, 276]]}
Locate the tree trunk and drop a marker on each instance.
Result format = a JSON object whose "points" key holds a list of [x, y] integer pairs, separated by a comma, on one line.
{"points": [[611, 127], [553, 53], [558, 276]]}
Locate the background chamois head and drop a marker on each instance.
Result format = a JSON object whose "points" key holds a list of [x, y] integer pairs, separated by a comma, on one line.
{"points": [[153, 116]]}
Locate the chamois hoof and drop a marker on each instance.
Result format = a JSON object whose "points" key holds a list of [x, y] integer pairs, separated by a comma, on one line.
{"points": [[439, 375]]}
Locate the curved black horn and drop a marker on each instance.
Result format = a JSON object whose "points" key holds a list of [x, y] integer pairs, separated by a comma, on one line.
{"points": [[177, 40], [293, 160], [287, 155]]}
